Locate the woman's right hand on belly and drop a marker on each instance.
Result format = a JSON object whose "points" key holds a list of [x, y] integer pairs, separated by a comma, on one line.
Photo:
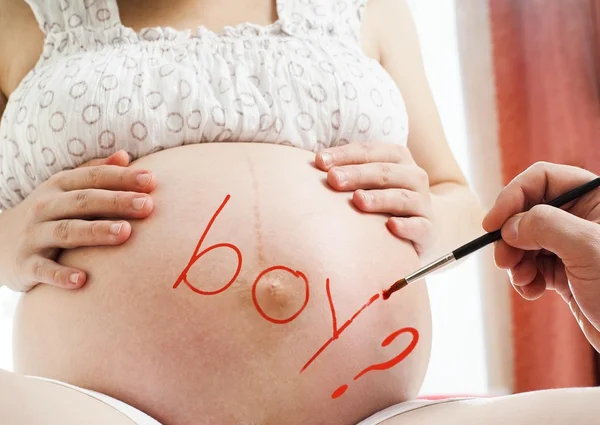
{"points": [[67, 211]]}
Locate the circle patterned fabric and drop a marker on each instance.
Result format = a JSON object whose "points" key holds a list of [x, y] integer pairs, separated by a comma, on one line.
{"points": [[100, 87]]}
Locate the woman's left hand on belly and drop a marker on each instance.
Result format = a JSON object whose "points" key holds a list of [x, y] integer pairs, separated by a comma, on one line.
{"points": [[385, 179]]}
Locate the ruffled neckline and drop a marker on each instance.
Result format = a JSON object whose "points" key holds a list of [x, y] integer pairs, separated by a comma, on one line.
{"points": [[240, 31]]}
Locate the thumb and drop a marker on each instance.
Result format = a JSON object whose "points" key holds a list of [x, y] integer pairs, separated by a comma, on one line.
{"points": [[553, 229], [119, 158]]}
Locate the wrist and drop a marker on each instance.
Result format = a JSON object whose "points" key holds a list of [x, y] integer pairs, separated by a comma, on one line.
{"points": [[457, 217]]}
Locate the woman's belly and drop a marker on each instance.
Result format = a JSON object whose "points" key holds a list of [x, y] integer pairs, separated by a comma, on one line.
{"points": [[250, 295]]}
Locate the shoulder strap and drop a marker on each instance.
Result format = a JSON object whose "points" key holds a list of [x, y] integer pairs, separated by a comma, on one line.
{"points": [[55, 16]]}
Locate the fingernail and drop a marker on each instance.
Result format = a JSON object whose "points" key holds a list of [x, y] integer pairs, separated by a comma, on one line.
{"points": [[143, 179], [327, 159], [115, 228], [341, 176], [512, 228], [74, 278], [138, 203], [367, 197]]}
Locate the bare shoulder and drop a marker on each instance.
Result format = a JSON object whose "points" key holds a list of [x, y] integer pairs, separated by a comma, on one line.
{"points": [[14, 9], [4, 52], [13, 14], [21, 40]]}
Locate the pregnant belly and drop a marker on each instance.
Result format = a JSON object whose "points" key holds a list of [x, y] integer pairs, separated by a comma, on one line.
{"points": [[250, 295]]}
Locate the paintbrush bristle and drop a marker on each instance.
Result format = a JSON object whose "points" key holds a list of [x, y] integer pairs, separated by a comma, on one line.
{"points": [[399, 284]]}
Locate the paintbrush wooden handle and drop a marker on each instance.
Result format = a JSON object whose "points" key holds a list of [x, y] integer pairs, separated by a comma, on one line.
{"points": [[476, 244], [488, 238]]}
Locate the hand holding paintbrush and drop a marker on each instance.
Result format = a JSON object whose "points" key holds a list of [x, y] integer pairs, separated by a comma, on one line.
{"points": [[525, 180]]}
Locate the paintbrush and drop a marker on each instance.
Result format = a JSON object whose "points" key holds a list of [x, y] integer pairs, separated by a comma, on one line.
{"points": [[480, 242]]}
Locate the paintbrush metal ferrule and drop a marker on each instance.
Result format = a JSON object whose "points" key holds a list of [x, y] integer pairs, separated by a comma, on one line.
{"points": [[419, 274], [430, 268]]}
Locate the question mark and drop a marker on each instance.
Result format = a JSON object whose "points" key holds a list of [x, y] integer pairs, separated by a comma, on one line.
{"points": [[390, 363]]}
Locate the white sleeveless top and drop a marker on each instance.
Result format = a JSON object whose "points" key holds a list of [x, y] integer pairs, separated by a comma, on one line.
{"points": [[100, 87]]}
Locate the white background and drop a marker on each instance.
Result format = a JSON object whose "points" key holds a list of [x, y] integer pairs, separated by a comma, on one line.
{"points": [[458, 358], [458, 361]]}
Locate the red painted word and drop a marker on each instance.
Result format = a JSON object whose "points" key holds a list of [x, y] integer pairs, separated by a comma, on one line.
{"points": [[337, 332]]}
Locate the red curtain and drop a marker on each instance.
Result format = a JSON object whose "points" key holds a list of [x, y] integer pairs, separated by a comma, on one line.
{"points": [[547, 63]]}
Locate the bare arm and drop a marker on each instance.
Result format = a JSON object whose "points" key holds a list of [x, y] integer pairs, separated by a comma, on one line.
{"points": [[4, 53], [21, 44], [3, 98], [457, 210], [550, 407]]}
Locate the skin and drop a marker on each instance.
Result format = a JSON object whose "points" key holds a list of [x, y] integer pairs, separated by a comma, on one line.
{"points": [[438, 184], [46, 403], [426, 138], [55, 216], [551, 249], [555, 407], [389, 36], [543, 249], [166, 343], [449, 213]]}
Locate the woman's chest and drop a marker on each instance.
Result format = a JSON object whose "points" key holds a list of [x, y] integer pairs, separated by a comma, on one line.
{"points": [[151, 95]]}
